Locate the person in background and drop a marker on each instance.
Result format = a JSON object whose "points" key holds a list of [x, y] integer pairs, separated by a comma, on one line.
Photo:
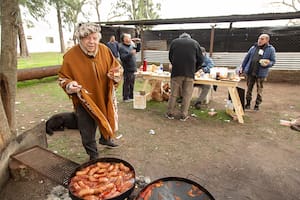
{"points": [[128, 50], [255, 66], [113, 45], [186, 59], [206, 66], [89, 75]]}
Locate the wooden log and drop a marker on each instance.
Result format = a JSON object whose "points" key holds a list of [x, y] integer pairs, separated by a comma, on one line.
{"points": [[37, 72]]}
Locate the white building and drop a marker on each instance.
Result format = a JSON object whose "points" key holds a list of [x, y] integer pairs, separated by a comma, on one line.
{"points": [[43, 36]]}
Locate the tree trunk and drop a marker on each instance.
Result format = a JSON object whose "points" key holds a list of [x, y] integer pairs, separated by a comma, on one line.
{"points": [[8, 69], [61, 35], [97, 9], [22, 40], [37, 72]]}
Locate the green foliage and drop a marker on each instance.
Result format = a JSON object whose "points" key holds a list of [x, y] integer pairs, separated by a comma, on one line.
{"points": [[36, 8], [71, 11], [136, 9], [40, 60]]}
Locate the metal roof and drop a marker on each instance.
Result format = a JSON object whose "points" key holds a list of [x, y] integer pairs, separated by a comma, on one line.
{"points": [[211, 19]]}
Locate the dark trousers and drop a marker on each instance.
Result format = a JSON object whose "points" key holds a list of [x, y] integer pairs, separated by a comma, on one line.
{"points": [[128, 85], [87, 127], [251, 80]]}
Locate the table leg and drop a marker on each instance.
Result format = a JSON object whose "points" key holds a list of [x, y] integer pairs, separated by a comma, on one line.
{"points": [[236, 103], [146, 82]]}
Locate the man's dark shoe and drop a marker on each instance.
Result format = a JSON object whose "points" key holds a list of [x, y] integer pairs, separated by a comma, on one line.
{"points": [[256, 107], [215, 87], [198, 105], [109, 143], [169, 116], [247, 106], [179, 100]]}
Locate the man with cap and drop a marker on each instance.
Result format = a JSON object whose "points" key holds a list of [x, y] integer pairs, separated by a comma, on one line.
{"points": [[89, 75]]}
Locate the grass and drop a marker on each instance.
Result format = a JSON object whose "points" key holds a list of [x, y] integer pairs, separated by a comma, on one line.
{"points": [[40, 60], [23, 84]]}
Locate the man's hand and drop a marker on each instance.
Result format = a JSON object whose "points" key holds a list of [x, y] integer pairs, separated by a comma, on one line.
{"points": [[133, 51], [264, 62], [73, 87], [115, 73]]}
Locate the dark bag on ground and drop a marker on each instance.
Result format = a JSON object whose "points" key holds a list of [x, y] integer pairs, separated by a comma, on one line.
{"points": [[241, 93]]}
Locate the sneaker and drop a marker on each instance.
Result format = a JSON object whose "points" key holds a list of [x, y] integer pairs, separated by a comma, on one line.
{"points": [[108, 143], [247, 106], [184, 118], [256, 107], [169, 116]]}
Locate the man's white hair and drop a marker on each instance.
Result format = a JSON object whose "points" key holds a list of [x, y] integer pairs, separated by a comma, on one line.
{"points": [[85, 29]]}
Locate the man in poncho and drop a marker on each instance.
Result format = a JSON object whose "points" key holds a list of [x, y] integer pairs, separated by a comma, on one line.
{"points": [[89, 74]]}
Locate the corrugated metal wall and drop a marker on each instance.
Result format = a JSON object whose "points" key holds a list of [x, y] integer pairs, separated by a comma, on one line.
{"points": [[284, 39]]}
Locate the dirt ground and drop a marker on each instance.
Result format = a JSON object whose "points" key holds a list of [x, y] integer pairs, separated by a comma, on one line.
{"points": [[259, 159]]}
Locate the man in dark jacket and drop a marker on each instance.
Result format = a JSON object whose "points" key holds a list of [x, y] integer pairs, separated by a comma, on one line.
{"points": [[256, 64], [128, 49], [186, 58], [113, 45]]}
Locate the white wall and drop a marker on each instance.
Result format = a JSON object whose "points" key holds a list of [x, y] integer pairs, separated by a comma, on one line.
{"points": [[36, 35], [38, 42]]}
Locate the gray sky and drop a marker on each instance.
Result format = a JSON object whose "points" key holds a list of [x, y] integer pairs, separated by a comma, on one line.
{"points": [[200, 8]]}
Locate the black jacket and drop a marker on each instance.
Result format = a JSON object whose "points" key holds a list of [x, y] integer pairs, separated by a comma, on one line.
{"points": [[185, 56], [128, 59]]}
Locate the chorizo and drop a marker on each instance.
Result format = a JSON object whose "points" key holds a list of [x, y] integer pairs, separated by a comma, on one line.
{"points": [[124, 168], [83, 171], [113, 173], [82, 184], [128, 176], [93, 179], [126, 186], [91, 197], [101, 170], [111, 167], [86, 191], [104, 165], [103, 180], [112, 193], [79, 178], [93, 170]]}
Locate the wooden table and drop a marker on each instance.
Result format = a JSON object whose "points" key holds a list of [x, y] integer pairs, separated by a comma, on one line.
{"points": [[230, 84]]}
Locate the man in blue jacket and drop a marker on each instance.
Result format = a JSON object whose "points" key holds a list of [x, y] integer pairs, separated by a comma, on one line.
{"points": [[206, 66], [113, 45], [256, 64]]}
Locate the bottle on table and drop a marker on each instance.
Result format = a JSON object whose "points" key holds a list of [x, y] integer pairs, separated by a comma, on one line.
{"points": [[145, 65]]}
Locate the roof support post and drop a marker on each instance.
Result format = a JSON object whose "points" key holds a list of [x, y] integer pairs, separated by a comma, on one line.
{"points": [[212, 36]]}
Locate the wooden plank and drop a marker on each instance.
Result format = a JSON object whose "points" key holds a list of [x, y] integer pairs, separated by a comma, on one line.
{"points": [[236, 103]]}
